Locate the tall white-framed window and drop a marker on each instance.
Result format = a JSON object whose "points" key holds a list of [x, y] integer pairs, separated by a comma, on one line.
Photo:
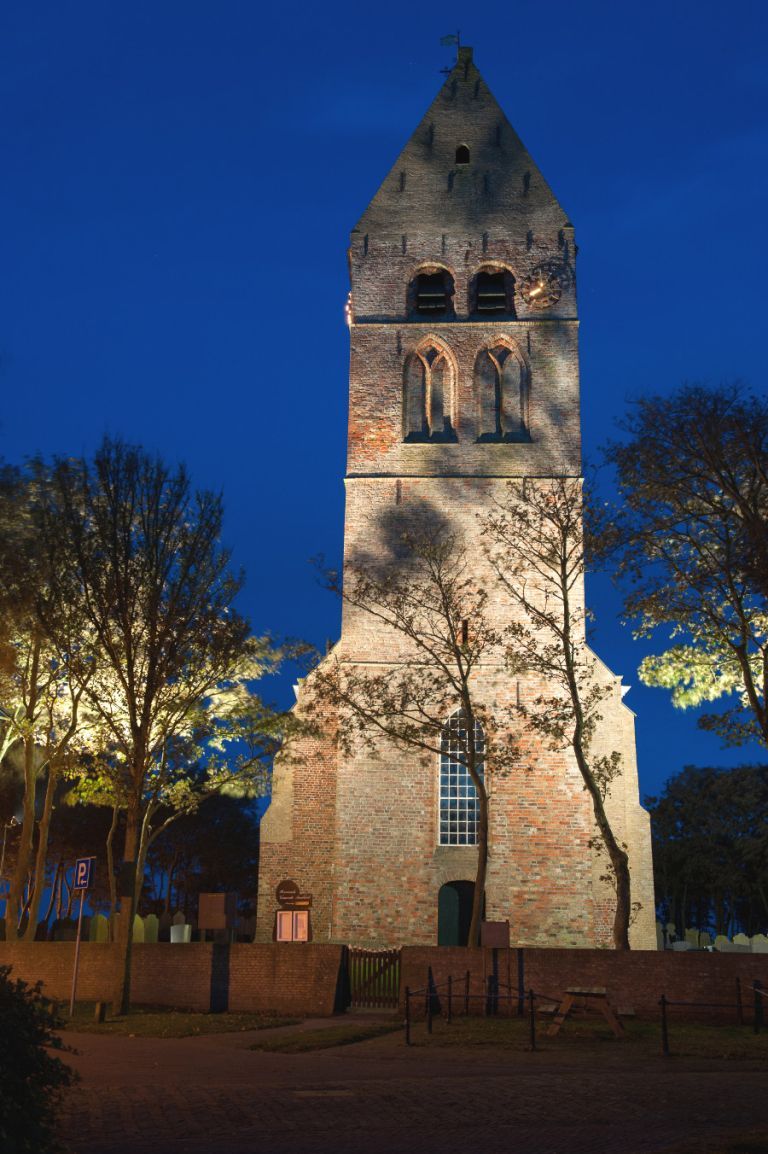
{"points": [[459, 806]]}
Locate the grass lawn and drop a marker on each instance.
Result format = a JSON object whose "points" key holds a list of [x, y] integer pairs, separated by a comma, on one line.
{"points": [[160, 1022], [686, 1039]]}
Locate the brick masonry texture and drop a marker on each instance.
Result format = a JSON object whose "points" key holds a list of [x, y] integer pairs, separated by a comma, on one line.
{"points": [[292, 979], [358, 830], [303, 978], [634, 981]]}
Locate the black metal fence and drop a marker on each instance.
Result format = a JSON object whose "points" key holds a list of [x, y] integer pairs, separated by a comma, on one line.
{"points": [[453, 998]]}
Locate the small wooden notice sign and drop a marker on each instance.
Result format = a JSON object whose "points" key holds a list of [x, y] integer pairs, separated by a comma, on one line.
{"points": [[290, 897]]}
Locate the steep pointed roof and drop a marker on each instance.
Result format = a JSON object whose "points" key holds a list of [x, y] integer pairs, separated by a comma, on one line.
{"points": [[427, 190]]}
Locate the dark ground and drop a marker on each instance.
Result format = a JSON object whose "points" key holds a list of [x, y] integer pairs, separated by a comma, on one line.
{"points": [[212, 1094]]}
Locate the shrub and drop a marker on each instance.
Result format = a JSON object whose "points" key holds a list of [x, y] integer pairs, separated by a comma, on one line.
{"points": [[31, 1079]]}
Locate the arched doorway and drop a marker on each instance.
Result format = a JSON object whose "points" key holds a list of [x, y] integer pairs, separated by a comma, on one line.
{"points": [[454, 912]]}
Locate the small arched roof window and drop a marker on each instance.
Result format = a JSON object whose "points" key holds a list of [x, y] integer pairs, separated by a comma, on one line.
{"points": [[431, 293], [462, 154], [492, 290]]}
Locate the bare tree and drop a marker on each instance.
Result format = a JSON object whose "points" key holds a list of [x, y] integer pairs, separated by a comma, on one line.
{"points": [[423, 591], [535, 541]]}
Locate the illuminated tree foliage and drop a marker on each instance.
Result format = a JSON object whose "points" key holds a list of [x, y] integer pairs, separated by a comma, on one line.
{"points": [[692, 539], [537, 547], [40, 700], [141, 603]]}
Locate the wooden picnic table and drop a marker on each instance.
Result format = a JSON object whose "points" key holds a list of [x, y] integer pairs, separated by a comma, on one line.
{"points": [[586, 998]]}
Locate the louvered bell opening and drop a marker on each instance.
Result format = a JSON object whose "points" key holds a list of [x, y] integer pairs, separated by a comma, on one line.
{"points": [[431, 296], [491, 293]]}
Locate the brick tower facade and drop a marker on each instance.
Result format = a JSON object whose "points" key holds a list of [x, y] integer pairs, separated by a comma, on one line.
{"points": [[464, 374]]}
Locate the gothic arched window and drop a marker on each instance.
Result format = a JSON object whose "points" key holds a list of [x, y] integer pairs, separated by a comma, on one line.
{"points": [[501, 390], [459, 806], [427, 396]]}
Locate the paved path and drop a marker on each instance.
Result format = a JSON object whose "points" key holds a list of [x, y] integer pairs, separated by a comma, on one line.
{"points": [[212, 1094]]}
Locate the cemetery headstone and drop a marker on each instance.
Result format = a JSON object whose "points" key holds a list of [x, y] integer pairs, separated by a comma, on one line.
{"points": [[99, 929]]}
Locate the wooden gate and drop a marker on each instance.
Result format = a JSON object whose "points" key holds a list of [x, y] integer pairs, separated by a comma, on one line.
{"points": [[374, 978]]}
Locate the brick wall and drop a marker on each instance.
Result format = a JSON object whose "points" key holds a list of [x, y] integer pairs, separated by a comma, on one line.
{"points": [[294, 979], [634, 980]]}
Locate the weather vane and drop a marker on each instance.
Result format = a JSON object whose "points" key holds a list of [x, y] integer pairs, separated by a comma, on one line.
{"points": [[449, 42]]}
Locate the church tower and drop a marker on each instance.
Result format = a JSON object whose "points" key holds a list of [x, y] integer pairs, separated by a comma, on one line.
{"points": [[464, 374]]}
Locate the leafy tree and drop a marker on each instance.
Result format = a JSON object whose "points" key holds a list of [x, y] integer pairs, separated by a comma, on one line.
{"points": [[710, 836], [536, 544], [39, 698], [136, 556], [422, 589], [692, 539], [31, 1078]]}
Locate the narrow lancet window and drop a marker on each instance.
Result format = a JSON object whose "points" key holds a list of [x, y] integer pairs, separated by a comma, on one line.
{"points": [[427, 394], [501, 388]]}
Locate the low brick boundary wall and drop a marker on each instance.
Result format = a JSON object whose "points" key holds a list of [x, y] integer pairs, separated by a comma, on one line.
{"points": [[291, 978], [634, 980], [303, 979]]}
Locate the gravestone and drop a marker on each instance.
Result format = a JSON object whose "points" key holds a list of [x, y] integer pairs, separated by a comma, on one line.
{"points": [[760, 944], [681, 947], [723, 944], [659, 936], [99, 929], [692, 937], [742, 941], [151, 928], [181, 932], [138, 929]]}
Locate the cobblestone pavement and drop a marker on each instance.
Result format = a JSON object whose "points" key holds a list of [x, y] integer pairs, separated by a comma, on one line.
{"points": [[196, 1095]]}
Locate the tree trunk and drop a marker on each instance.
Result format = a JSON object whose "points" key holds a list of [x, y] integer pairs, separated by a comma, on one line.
{"points": [[473, 938], [15, 898], [43, 826], [111, 879], [54, 890], [127, 895], [617, 856]]}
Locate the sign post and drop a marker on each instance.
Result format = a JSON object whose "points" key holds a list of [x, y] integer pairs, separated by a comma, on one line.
{"points": [[83, 875]]}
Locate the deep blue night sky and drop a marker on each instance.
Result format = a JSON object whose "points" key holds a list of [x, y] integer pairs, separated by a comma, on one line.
{"points": [[179, 182]]}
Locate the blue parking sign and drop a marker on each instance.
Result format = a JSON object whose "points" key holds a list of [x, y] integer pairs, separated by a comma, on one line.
{"points": [[83, 872]]}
